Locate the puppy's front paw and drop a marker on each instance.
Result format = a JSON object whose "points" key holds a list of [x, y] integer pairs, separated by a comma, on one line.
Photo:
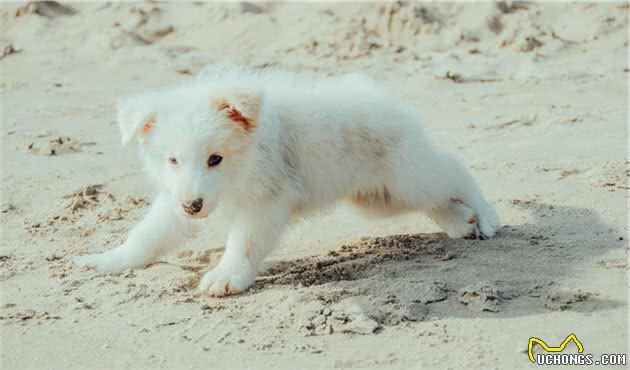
{"points": [[100, 262], [110, 261], [228, 279]]}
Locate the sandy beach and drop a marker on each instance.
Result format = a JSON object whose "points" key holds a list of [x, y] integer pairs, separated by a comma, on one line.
{"points": [[532, 97]]}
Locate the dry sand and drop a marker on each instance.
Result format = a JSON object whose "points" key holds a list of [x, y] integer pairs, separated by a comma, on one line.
{"points": [[533, 97]]}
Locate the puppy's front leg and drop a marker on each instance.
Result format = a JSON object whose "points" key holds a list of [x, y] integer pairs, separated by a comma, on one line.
{"points": [[251, 238], [161, 228]]}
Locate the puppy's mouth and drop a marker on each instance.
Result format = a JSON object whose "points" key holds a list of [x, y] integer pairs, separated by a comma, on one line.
{"points": [[197, 215], [203, 213]]}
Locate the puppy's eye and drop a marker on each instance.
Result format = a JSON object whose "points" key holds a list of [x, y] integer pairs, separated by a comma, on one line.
{"points": [[173, 161], [214, 160]]}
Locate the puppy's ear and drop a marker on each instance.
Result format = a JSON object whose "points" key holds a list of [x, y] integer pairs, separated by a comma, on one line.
{"points": [[135, 118], [240, 107]]}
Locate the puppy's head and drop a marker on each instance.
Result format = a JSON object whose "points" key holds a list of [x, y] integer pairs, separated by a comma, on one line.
{"points": [[193, 143]]}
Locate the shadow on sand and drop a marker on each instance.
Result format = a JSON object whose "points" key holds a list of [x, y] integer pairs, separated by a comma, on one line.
{"points": [[526, 269]]}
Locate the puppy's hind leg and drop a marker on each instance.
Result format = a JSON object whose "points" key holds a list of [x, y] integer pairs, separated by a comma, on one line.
{"points": [[440, 186], [462, 211]]}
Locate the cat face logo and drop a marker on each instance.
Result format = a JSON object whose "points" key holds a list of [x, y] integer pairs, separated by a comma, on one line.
{"points": [[544, 345]]}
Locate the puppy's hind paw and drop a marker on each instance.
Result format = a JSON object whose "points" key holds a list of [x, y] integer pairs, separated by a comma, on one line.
{"points": [[483, 230], [476, 234]]}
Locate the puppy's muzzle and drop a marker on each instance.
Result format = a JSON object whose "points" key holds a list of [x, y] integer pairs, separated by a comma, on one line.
{"points": [[193, 207]]}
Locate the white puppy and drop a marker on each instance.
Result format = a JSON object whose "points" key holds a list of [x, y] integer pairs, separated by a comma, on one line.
{"points": [[266, 147]]}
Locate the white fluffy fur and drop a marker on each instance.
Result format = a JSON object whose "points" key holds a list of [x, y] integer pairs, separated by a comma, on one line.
{"points": [[313, 141]]}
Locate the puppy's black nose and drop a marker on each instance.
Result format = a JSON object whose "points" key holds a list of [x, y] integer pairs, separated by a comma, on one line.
{"points": [[193, 207]]}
